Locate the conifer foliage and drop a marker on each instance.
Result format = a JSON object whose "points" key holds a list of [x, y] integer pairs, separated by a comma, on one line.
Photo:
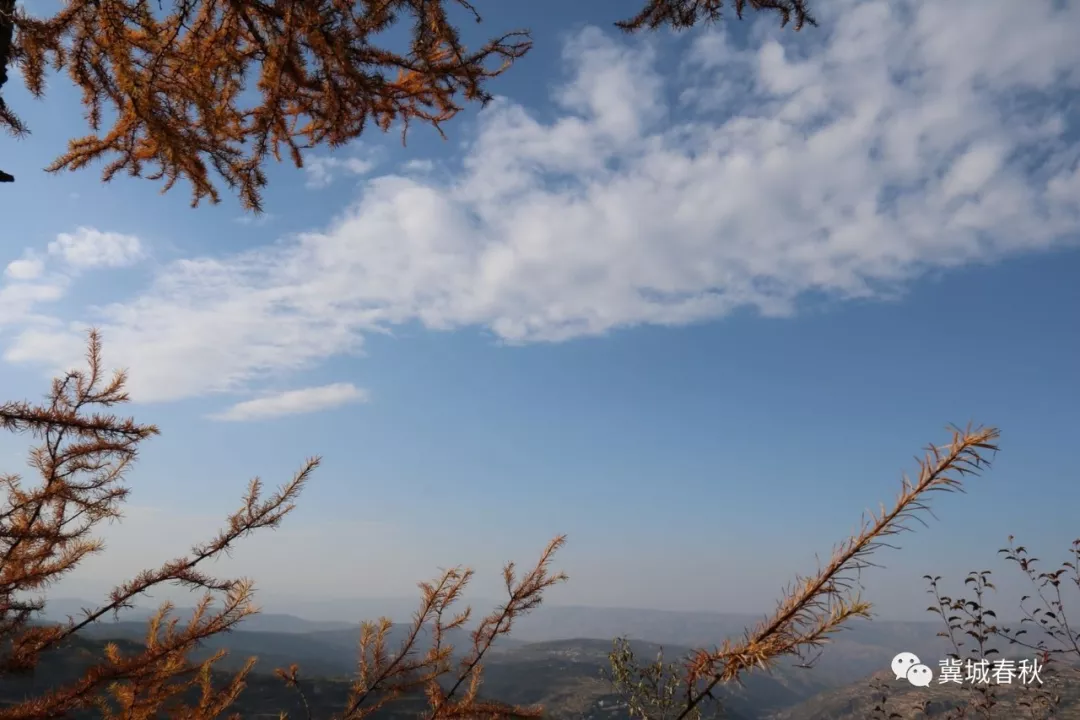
{"points": [[214, 87], [81, 454], [81, 457]]}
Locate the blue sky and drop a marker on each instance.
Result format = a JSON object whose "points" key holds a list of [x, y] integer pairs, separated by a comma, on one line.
{"points": [[695, 301]]}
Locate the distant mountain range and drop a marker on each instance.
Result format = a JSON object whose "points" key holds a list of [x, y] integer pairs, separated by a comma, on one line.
{"points": [[855, 653], [556, 655]]}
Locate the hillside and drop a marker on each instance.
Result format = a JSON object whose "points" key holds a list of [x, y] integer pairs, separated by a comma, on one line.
{"points": [[562, 674], [864, 648], [856, 701]]}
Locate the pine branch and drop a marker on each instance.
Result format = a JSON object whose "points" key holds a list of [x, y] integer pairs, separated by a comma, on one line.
{"points": [[175, 82]]}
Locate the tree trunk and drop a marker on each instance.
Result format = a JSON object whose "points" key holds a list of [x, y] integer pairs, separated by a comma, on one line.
{"points": [[7, 34]]}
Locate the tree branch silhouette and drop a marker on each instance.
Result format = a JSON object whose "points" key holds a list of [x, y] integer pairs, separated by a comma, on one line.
{"points": [[173, 83]]}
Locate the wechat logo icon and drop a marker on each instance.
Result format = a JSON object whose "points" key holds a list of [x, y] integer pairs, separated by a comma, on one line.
{"points": [[906, 666]]}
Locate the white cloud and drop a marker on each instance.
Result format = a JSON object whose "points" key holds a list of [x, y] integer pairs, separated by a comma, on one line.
{"points": [[845, 160], [255, 220], [295, 402], [87, 248], [25, 283], [65, 346], [27, 268], [418, 165], [323, 169], [18, 299]]}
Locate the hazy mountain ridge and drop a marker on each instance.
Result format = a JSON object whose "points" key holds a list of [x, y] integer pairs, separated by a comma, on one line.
{"points": [[557, 622], [564, 674]]}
